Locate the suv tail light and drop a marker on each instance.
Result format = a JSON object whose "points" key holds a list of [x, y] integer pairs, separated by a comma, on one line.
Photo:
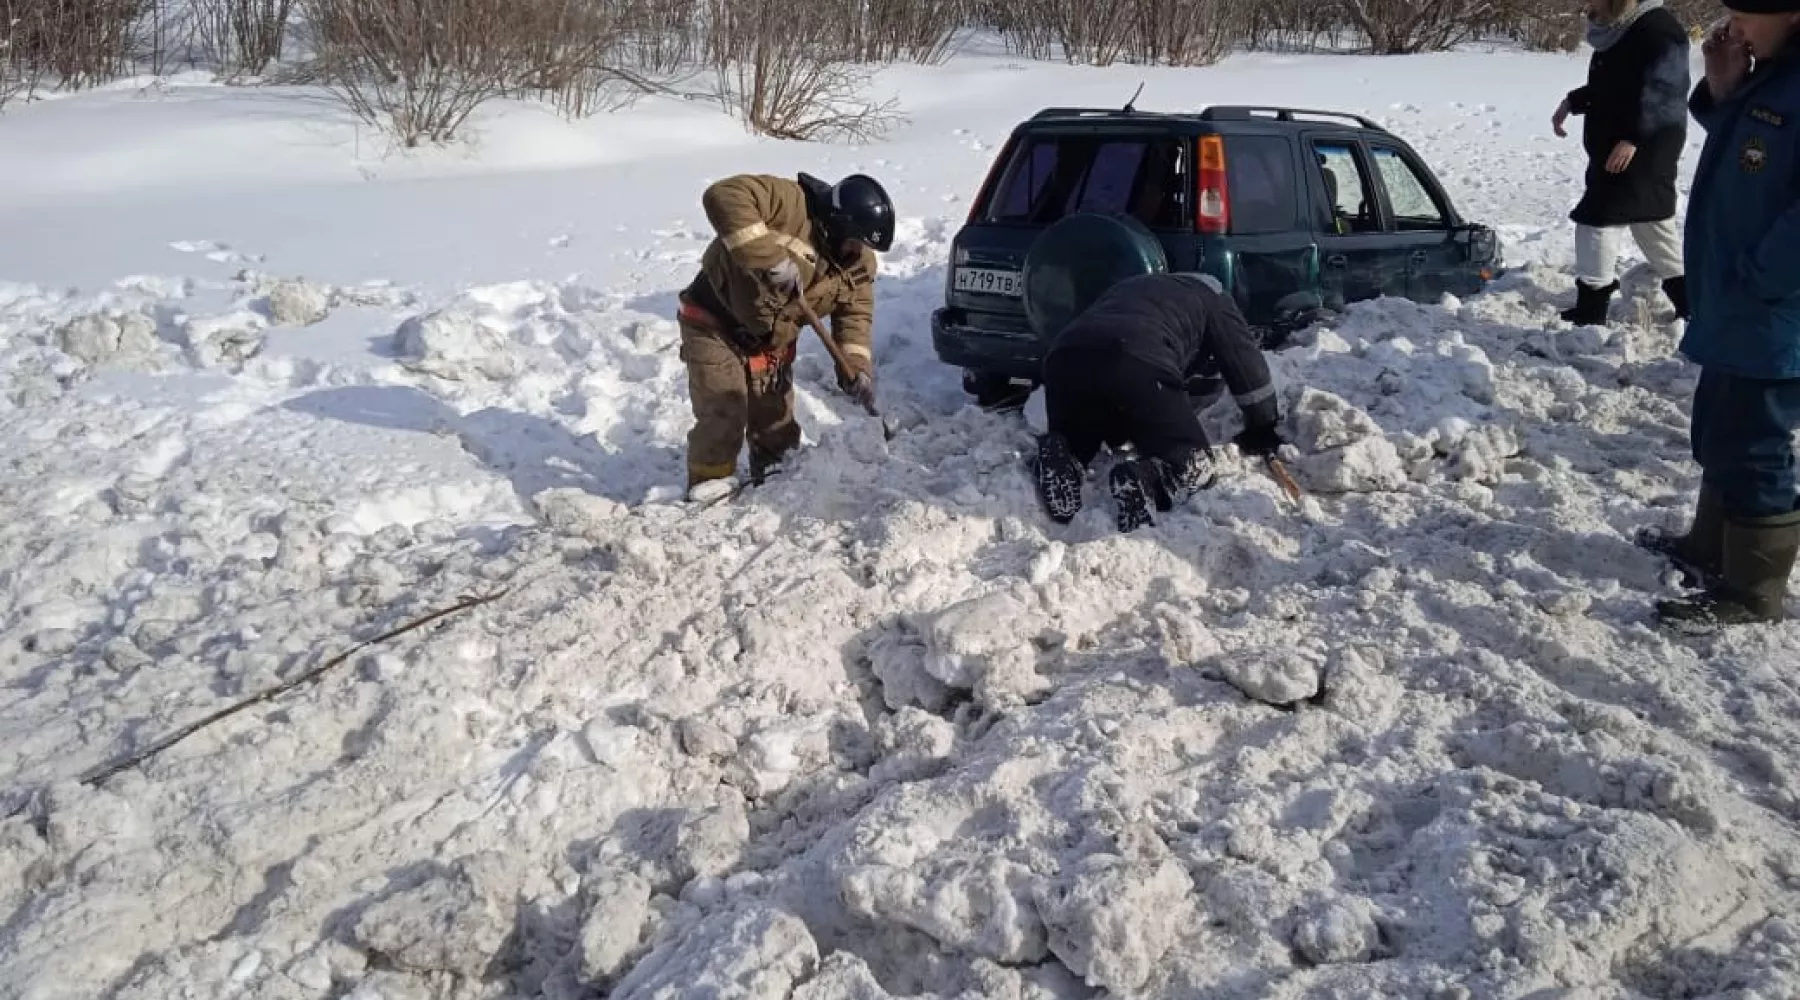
{"points": [[1212, 208]]}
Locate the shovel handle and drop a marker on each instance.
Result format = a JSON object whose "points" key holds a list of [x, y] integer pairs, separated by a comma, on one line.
{"points": [[831, 346], [1282, 479]]}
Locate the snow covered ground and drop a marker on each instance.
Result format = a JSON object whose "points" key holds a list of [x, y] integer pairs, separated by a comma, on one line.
{"points": [[878, 729]]}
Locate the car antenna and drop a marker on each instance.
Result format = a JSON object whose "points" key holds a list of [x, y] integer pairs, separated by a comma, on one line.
{"points": [[1131, 105]]}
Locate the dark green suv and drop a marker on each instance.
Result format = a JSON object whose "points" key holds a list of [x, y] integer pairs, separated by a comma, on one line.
{"points": [[1295, 211]]}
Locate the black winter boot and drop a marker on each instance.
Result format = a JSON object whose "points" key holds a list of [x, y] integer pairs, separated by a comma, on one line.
{"points": [[1131, 490], [1590, 304], [1676, 289], [1177, 482], [1059, 478], [1698, 554], [1758, 556]]}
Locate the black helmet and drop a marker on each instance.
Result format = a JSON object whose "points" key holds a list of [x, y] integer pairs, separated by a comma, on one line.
{"points": [[858, 208]]}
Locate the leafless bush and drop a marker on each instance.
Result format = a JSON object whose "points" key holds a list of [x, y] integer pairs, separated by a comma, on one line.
{"points": [[1187, 32], [882, 31], [420, 68], [1302, 25], [1403, 27], [779, 75], [241, 37], [76, 43]]}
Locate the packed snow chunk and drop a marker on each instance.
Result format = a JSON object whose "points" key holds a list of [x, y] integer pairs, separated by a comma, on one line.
{"points": [[1324, 420], [711, 843], [224, 341], [576, 512], [843, 976], [755, 953], [897, 659], [445, 924], [984, 906], [97, 338], [1343, 449], [987, 645], [298, 303], [1277, 675], [618, 905], [913, 744], [1481, 454], [1111, 921], [455, 344], [1339, 930], [1371, 465]]}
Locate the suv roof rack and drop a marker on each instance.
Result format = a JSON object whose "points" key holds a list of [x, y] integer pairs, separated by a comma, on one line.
{"points": [[1244, 112], [1084, 112]]}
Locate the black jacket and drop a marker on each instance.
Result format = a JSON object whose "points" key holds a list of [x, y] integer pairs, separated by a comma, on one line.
{"points": [[1636, 92], [1184, 326]]}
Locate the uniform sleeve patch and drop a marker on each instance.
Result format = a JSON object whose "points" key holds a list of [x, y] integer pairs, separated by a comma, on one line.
{"points": [[1768, 116]]}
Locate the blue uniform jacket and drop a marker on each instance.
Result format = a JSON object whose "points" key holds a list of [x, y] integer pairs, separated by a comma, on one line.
{"points": [[1742, 242]]}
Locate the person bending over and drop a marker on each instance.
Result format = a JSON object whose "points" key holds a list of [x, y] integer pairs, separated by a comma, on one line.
{"points": [[1118, 375]]}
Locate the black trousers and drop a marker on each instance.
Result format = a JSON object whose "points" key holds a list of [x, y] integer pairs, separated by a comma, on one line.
{"points": [[1102, 395]]}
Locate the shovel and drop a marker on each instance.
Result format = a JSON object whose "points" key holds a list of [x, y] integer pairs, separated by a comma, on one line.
{"points": [[837, 358], [1279, 472]]}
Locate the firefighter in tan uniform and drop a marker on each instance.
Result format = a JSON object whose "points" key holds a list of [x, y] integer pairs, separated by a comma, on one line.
{"points": [[741, 320]]}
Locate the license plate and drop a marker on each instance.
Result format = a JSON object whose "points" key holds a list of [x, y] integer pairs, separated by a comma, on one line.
{"points": [[989, 282]]}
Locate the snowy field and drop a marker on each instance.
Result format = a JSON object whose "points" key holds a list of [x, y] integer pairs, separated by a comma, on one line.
{"points": [[878, 729]]}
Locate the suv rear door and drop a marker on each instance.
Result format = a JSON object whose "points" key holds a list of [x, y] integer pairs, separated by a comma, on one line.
{"points": [[1421, 218], [1361, 258], [1273, 245], [1046, 173]]}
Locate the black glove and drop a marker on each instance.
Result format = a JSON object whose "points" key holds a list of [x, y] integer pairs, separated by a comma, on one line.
{"points": [[1262, 441]]}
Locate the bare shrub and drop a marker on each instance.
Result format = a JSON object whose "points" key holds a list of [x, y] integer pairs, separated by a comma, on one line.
{"points": [[891, 30], [1295, 25], [241, 37], [419, 68], [779, 73], [1186, 32], [76, 43], [1403, 27]]}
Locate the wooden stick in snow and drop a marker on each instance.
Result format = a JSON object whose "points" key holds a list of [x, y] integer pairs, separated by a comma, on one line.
{"points": [[99, 775]]}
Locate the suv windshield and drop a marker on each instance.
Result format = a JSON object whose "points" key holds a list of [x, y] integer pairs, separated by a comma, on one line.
{"points": [[1050, 176]]}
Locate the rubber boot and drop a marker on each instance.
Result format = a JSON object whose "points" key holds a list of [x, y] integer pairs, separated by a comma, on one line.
{"points": [[1758, 556], [1130, 484], [1590, 304], [1698, 554], [1676, 289], [1059, 478]]}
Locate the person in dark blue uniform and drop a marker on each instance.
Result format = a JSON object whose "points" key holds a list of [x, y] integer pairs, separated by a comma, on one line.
{"points": [[1119, 375], [1743, 251]]}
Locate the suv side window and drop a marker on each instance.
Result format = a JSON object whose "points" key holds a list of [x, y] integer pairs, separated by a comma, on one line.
{"points": [[1259, 174], [1414, 207], [1351, 209], [1051, 176]]}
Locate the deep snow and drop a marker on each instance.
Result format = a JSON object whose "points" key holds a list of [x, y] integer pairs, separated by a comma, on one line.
{"points": [[877, 729]]}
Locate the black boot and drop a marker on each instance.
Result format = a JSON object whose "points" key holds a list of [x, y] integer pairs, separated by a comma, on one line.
{"points": [[1676, 289], [1059, 478], [1130, 483], [1590, 304], [1699, 553], [1177, 481], [1758, 556]]}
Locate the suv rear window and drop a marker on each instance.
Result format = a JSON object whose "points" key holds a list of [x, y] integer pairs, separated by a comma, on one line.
{"points": [[1051, 176]]}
